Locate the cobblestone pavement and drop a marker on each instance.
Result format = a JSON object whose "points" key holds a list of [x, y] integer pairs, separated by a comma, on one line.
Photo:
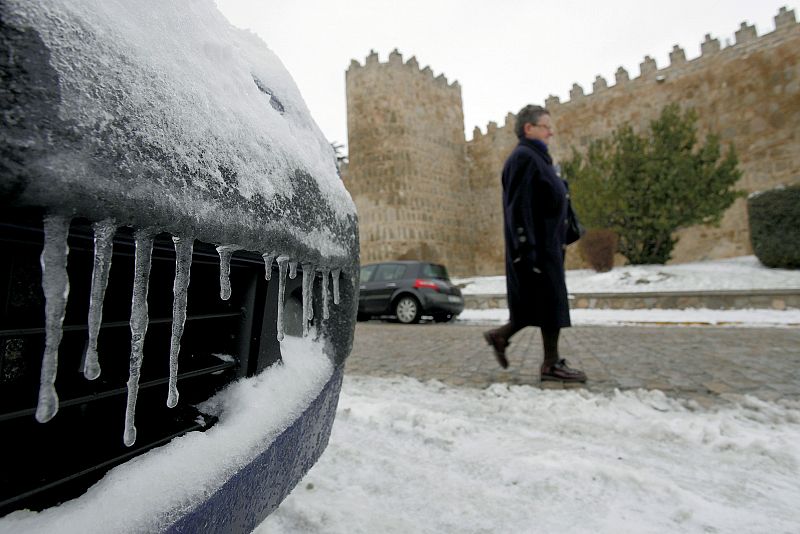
{"points": [[702, 363]]}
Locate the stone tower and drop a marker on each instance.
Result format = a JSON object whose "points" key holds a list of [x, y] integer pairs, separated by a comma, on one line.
{"points": [[407, 172]]}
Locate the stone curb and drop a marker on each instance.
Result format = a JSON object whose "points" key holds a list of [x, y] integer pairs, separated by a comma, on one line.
{"points": [[772, 299]]}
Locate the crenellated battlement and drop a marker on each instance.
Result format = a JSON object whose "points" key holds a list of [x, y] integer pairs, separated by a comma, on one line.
{"points": [[395, 61], [423, 191], [492, 128], [747, 40]]}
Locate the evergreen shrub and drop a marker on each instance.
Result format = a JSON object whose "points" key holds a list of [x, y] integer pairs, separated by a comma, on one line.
{"points": [[774, 218], [646, 185]]}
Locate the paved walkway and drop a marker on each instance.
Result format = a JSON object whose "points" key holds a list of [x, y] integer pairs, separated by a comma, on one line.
{"points": [[702, 363]]}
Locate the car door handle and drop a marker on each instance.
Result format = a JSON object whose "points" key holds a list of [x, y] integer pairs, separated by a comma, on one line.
{"points": [[363, 287], [391, 284]]}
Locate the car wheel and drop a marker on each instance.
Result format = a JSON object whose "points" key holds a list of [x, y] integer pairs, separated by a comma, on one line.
{"points": [[446, 318], [407, 310]]}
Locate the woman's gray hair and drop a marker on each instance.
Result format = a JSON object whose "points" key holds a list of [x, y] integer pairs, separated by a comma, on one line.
{"points": [[531, 114]]}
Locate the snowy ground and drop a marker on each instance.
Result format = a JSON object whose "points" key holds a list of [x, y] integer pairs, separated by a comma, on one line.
{"points": [[744, 273], [407, 456], [415, 457], [690, 316], [741, 273]]}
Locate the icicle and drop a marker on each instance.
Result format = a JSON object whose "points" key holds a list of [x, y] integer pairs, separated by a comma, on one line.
{"points": [[282, 264], [225, 253], [103, 244], [309, 274], [306, 278], [312, 278], [335, 276], [292, 270], [183, 264], [141, 279], [325, 306], [55, 283], [268, 259]]}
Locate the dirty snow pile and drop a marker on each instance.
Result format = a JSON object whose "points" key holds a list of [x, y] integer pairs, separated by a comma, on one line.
{"points": [[139, 495], [407, 456], [742, 273]]}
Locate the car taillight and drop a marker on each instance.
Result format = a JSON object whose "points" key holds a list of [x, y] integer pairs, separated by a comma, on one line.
{"points": [[430, 284]]}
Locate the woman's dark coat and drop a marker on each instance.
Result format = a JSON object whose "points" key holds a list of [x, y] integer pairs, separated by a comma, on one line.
{"points": [[535, 210]]}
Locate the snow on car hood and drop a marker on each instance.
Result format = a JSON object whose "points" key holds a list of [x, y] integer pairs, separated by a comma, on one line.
{"points": [[164, 114]]}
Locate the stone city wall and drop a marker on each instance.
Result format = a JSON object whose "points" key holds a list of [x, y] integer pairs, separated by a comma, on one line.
{"points": [[424, 192], [748, 93], [486, 154]]}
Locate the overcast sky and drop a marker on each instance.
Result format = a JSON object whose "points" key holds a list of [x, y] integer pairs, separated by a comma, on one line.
{"points": [[504, 53]]}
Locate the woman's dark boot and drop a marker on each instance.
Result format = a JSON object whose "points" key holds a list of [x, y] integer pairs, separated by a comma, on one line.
{"points": [[561, 372], [498, 339], [554, 367], [498, 344]]}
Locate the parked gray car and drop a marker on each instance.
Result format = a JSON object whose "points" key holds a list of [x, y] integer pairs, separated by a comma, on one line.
{"points": [[408, 290]]}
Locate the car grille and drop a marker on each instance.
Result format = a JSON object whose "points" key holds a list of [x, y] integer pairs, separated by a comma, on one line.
{"points": [[47, 463]]}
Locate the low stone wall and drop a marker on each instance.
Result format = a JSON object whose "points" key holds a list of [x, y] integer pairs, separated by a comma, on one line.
{"points": [[485, 302], [775, 299]]}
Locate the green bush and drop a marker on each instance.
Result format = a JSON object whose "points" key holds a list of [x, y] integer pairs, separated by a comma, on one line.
{"points": [[597, 248], [647, 185], [775, 227]]}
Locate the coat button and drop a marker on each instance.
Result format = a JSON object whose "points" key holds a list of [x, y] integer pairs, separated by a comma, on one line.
{"points": [[566, 221], [522, 239]]}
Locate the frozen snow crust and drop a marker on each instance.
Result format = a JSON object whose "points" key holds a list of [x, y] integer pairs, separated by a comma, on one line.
{"points": [[416, 457], [742, 273], [152, 491], [162, 114]]}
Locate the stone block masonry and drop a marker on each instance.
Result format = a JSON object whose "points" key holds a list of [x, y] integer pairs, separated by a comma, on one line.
{"points": [[424, 192], [407, 170]]}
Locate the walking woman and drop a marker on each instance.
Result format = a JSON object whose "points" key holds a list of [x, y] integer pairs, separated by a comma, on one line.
{"points": [[535, 228]]}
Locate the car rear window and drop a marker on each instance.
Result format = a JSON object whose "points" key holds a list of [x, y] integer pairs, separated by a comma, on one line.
{"points": [[430, 270], [390, 271], [366, 272]]}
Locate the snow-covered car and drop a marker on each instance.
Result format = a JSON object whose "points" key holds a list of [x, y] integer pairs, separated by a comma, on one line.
{"points": [[177, 282]]}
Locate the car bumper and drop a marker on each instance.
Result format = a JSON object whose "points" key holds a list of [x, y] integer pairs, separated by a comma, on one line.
{"points": [[259, 487], [440, 303]]}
